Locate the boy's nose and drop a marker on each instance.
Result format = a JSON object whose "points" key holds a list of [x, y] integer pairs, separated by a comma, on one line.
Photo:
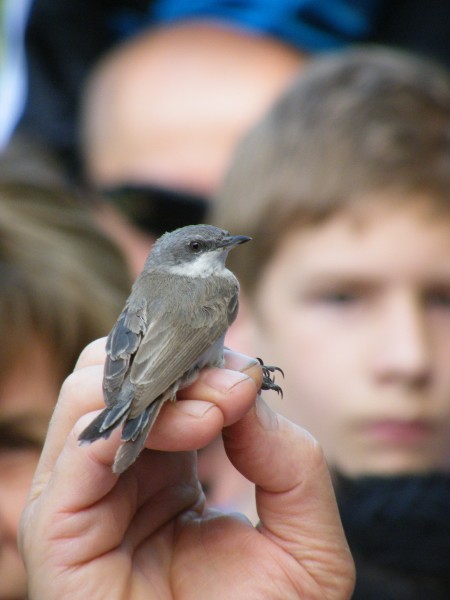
{"points": [[403, 351], [5, 522]]}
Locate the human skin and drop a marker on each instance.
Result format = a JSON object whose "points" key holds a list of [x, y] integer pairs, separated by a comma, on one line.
{"points": [[134, 127], [357, 312], [88, 533], [26, 403]]}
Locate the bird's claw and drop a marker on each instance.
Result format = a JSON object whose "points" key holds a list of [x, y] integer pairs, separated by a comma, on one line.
{"points": [[268, 382]]}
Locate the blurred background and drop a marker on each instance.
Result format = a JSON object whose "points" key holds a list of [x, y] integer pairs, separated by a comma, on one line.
{"points": [[118, 121]]}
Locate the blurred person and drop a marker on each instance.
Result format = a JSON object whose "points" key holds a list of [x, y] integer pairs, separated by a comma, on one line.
{"points": [[62, 284], [25, 160], [344, 188], [227, 62], [161, 116], [168, 106]]}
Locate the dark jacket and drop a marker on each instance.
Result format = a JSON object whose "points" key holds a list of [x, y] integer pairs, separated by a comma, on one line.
{"points": [[398, 529]]}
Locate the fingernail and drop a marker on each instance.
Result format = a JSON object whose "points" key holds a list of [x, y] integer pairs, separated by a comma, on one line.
{"points": [[265, 415], [194, 408], [249, 365], [239, 362]]}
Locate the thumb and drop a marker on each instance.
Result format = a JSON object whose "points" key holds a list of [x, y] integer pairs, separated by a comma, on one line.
{"points": [[294, 494]]}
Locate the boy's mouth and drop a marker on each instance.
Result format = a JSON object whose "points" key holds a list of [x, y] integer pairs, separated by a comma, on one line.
{"points": [[399, 432]]}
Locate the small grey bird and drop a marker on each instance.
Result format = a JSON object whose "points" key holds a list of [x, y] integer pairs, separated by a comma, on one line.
{"points": [[173, 324]]}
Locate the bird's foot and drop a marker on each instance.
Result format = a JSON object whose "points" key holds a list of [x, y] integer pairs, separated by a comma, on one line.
{"points": [[268, 382]]}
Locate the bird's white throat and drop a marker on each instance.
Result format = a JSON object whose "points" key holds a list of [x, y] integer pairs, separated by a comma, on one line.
{"points": [[204, 265]]}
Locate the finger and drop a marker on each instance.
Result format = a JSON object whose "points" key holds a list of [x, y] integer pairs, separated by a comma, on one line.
{"points": [[295, 498], [192, 424], [205, 385], [93, 354], [188, 425], [246, 364], [86, 509], [222, 396], [81, 393]]}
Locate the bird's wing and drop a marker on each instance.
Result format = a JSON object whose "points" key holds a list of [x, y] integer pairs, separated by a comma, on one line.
{"points": [[171, 346], [121, 345]]}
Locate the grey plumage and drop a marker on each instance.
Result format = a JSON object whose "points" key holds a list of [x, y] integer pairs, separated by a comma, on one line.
{"points": [[172, 325]]}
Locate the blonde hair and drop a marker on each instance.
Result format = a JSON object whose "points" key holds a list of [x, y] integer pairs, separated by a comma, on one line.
{"points": [[353, 123]]}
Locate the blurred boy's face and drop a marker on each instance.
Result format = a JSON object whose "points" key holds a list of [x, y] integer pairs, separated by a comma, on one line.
{"points": [[27, 396], [357, 313]]}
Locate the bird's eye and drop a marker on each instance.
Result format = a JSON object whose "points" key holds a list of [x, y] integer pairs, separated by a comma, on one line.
{"points": [[195, 246]]}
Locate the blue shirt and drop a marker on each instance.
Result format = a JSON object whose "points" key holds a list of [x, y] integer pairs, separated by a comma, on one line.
{"points": [[309, 25]]}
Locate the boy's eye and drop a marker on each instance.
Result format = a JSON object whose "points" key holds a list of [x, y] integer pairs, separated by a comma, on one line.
{"points": [[438, 298], [342, 298], [336, 295]]}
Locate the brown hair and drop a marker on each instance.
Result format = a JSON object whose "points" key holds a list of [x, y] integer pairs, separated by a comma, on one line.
{"points": [[352, 123], [60, 278]]}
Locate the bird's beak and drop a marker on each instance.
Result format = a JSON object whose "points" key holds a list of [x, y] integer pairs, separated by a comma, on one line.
{"points": [[234, 240]]}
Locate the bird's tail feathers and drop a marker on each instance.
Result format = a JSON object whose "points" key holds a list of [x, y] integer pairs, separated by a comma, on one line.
{"points": [[134, 427], [134, 434], [103, 425]]}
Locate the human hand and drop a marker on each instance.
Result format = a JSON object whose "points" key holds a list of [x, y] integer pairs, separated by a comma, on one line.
{"points": [[87, 533]]}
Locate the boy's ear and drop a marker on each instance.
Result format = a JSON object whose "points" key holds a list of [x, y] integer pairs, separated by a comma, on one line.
{"points": [[241, 335]]}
